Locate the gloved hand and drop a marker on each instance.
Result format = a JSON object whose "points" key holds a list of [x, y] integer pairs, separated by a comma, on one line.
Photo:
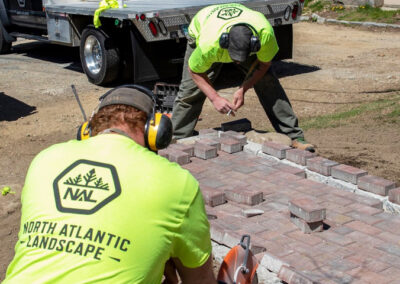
{"points": [[103, 5]]}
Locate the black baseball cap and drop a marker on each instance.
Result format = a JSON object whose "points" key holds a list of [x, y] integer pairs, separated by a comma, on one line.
{"points": [[128, 96], [239, 42]]}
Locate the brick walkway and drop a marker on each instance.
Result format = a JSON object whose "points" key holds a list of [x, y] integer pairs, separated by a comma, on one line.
{"points": [[360, 243]]}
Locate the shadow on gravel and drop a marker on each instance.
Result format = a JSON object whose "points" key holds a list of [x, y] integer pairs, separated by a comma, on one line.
{"points": [[286, 69], [12, 109], [231, 76], [67, 57]]}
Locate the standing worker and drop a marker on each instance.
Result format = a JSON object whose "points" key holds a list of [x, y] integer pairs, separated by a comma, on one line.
{"points": [[232, 33], [108, 210]]}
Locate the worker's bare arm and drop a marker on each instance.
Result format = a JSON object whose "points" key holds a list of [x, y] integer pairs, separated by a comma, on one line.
{"points": [[200, 275], [202, 81]]}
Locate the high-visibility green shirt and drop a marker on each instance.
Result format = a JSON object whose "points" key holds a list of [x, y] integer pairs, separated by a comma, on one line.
{"points": [[210, 22], [107, 210]]}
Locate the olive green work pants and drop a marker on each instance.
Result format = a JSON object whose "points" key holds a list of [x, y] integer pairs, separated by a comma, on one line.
{"points": [[189, 101]]}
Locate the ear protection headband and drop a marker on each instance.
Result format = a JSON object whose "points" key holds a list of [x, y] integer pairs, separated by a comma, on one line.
{"points": [[254, 40], [158, 127]]}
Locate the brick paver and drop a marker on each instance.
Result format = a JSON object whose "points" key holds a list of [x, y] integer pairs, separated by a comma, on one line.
{"points": [[358, 241]]}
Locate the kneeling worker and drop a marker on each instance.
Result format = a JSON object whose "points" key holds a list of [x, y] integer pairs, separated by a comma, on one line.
{"points": [[232, 33], [109, 210]]}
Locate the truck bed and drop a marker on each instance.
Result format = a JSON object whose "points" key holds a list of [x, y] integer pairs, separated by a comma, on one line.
{"points": [[164, 7]]}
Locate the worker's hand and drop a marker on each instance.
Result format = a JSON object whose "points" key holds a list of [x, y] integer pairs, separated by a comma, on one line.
{"points": [[170, 276], [223, 105], [238, 99]]}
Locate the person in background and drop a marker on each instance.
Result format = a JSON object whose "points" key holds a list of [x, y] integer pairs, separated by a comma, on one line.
{"points": [[232, 33]]}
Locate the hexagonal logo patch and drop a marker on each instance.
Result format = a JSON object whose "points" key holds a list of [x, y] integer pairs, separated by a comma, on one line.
{"points": [[229, 13], [86, 186]]}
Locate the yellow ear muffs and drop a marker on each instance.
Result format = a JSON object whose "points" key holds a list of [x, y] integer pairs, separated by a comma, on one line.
{"points": [[158, 131], [83, 131]]}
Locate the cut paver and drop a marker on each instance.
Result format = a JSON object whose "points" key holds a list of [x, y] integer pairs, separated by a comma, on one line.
{"points": [[394, 195], [307, 209], [347, 173], [252, 212], [205, 152], [272, 262], [242, 195], [187, 148], [307, 227], [235, 135], [321, 165], [208, 132], [299, 156], [274, 149], [212, 197], [210, 142], [230, 145], [178, 156], [375, 184]]}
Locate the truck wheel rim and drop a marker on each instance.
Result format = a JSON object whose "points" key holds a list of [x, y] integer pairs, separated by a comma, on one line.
{"points": [[93, 54]]}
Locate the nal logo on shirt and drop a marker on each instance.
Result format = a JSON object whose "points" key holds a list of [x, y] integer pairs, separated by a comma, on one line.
{"points": [[229, 13], [86, 186]]}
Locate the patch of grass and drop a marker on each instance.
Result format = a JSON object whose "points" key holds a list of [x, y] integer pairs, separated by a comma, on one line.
{"points": [[395, 113], [371, 14], [389, 106], [365, 13], [316, 6]]}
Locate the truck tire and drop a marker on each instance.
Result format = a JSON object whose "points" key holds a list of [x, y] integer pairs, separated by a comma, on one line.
{"points": [[5, 46], [99, 56]]}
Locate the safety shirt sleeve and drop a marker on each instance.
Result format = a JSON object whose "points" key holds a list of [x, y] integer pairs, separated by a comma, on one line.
{"points": [[269, 46], [200, 61], [192, 243]]}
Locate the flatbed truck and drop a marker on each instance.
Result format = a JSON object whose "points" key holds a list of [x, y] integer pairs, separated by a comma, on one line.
{"points": [[138, 42]]}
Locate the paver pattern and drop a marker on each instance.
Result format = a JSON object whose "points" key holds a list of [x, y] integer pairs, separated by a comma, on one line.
{"points": [[359, 243]]}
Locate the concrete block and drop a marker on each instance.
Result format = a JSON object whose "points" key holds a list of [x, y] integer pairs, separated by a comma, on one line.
{"points": [[321, 165], [204, 152], [237, 125], [244, 196], [274, 149], [299, 156], [306, 227], [394, 195], [230, 145], [233, 134], [212, 197], [307, 210], [375, 184], [347, 173], [210, 142]]}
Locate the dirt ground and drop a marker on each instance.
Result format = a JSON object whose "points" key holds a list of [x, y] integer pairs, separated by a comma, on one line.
{"points": [[334, 69]]}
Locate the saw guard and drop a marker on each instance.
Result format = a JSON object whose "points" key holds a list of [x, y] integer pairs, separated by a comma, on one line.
{"points": [[233, 265]]}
